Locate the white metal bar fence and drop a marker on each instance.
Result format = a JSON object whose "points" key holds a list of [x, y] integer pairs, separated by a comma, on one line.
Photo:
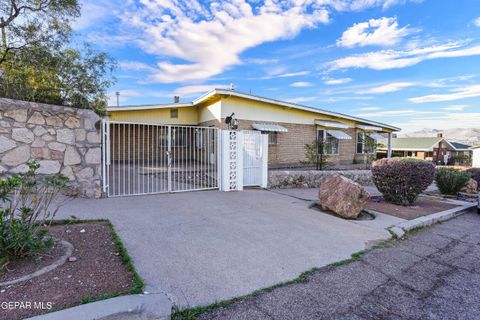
{"points": [[142, 158]]}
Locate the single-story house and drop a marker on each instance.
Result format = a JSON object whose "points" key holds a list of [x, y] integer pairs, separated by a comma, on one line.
{"points": [[437, 149], [289, 125], [475, 156]]}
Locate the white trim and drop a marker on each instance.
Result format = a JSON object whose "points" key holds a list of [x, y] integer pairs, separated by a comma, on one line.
{"points": [[331, 124], [214, 92], [370, 128]]}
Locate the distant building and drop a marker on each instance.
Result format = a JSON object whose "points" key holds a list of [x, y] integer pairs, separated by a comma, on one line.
{"points": [[437, 149], [475, 156]]}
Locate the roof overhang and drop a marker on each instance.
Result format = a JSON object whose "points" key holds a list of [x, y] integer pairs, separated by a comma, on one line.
{"points": [[331, 124], [150, 106], [269, 127], [369, 128]]}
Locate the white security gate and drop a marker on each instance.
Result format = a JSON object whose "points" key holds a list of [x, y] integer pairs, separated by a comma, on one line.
{"points": [[255, 159], [147, 158]]}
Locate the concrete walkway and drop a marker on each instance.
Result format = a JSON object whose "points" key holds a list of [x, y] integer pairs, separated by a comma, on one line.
{"points": [[201, 247], [434, 274]]}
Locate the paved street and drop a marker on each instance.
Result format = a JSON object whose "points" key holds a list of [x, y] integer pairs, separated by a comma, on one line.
{"points": [[434, 274]]}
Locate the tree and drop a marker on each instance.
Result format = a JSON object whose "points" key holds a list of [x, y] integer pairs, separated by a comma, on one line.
{"points": [[30, 23], [315, 154], [38, 63]]}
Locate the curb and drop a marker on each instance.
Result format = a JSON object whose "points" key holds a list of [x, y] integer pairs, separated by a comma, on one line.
{"points": [[400, 229], [157, 305]]}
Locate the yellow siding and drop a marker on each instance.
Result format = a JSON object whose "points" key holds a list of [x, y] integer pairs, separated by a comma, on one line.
{"points": [[266, 112], [212, 111], [186, 116]]}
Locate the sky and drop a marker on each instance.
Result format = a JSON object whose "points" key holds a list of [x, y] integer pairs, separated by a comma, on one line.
{"points": [[410, 63]]}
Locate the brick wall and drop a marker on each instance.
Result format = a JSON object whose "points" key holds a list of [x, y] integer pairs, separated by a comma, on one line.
{"points": [[290, 151]]}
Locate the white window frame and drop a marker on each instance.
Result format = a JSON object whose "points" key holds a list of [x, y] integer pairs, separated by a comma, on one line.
{"points": [[324, 138], [364, 138]]}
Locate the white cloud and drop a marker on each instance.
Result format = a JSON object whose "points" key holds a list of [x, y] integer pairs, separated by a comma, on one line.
{"points": [[293, 74], [393, 59], [337, 81], [280, 73], [395, 113], [380, 32], [477, 22], [301, 84], [391, 87], [135, 66], [456, 107], [455, 94], [444, 121], [261, 61], [369, 108]]}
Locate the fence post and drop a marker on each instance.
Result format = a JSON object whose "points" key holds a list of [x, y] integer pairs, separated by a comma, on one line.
{"points": [[264, 161]]}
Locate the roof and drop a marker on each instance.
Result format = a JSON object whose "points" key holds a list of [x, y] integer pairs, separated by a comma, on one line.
{"points": [[459, 146], [413, 143], [225, 92]]}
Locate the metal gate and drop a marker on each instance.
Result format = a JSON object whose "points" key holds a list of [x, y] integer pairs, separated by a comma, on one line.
{"points": [[147, 158], [255, 159]]}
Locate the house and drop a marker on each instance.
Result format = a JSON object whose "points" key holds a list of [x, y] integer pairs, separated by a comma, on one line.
{"points": [[437, 149], [289, 126], [475, 156]]}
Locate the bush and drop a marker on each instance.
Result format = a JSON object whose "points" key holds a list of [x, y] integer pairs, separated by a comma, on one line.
{"points": [[401, 180], [451, 181], [475, 173], [27, 199]]}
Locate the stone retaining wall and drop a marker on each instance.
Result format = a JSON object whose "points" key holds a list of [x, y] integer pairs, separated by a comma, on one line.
{"points": [[283, 179], [61, 139]]}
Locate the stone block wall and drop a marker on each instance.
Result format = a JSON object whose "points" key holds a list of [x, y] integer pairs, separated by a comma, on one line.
{"points": [[284, 179], [62, 139]]}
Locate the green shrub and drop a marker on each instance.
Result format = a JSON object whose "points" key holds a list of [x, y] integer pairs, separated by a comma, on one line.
{"points": [[27, 199], [451, 181], [401, 180]]}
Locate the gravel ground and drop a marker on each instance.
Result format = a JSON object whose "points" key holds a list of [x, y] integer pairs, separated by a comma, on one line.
{"points": [[97, 271], [433, 274]]}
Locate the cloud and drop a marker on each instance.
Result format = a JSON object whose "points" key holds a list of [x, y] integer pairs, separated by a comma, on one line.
{"points": [[456, 107], [190, 90], [280, 73], [369, 108], [477, 22], [379, 32], [394, 59], [395, 113], [391, 87], [135, 66], [336, 81], [301, 84], [455, 94], [444, 121], [261, 61]]}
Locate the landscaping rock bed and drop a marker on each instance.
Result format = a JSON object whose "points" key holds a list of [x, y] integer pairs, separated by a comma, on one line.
{"points": [[284, 179], [95, 269], [422, 207]]}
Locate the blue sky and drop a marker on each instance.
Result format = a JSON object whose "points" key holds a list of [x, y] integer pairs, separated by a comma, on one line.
{"points": [[414, 64]]}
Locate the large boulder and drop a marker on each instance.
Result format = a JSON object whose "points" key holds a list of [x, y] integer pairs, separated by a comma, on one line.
{"points": [[471, 187], [343, 196]]}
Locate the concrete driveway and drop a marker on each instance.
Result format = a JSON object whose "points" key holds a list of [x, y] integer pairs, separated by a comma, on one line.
{"points": [[201, 247]]}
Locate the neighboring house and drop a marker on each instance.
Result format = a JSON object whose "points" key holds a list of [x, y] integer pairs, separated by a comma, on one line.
{"points": [[475, 156], [290, 126], [437, 149]]}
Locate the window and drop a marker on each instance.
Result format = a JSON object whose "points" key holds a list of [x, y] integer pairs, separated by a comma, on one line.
{"points": [[174, 113], [365, 144], [272, 138], [330, 145]]}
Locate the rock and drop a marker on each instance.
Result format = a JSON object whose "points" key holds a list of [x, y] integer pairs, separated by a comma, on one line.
{"points": [[57, 146], [71, 157], [6, 144], [2, 169], [38, 143], [20, 169], [72, 122], [86, 174], [5, 124], [22, 135], [66, 136], [56, 155], [342, 196], [19, 115], [39, 131], [49, 167], [54, 121], [80, 134], [471, 187], [72, 259], [93, 137], [94, 156], [82, 231], [68, 172], [36, 118], [88, 124], [17, 156], [39, 153]]}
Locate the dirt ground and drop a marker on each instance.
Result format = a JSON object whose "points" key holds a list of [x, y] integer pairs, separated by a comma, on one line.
{"points": [[422, 207], [98, 270]]}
